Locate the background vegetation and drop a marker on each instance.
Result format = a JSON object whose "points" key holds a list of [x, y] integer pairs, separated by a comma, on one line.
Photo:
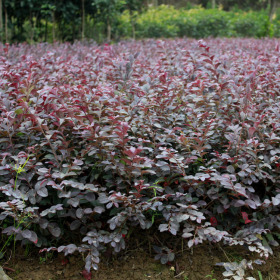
{"points": [[105, 20]]}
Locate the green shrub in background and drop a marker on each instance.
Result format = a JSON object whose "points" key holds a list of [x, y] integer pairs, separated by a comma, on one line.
{"points": [[276, 28], [276, 24], [166, 21], [158, 22], [250, 24], [207, 23]]}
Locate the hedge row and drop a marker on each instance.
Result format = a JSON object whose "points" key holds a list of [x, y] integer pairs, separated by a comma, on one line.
{"points": [[166, 21], [177, 137]]}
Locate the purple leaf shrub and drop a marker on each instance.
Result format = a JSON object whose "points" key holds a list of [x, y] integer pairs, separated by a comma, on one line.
{"points": [[182, 136]]}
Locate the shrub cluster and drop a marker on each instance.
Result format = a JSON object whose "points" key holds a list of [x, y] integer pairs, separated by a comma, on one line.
{"points": [[178, 136], [166, 21]]}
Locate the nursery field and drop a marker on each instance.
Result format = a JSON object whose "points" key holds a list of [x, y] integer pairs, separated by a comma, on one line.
{"points": [[173, 145]]}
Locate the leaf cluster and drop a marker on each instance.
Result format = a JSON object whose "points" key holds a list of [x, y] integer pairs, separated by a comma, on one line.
{"points": [[180, 136]]}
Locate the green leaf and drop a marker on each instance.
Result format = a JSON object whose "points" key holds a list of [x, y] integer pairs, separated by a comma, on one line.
{"points": [[18, 111], [269, 237], [264, 242]]}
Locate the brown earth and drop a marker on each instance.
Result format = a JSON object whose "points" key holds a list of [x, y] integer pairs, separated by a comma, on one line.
{"points": [[195, 264]]}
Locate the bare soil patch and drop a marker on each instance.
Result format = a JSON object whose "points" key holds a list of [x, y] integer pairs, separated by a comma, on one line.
{"points": [[196, 264]]}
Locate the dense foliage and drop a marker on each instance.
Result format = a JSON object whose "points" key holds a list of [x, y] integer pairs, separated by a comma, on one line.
{"points": [[177, 136], [51, 20], [166, 21], [63, 20]]}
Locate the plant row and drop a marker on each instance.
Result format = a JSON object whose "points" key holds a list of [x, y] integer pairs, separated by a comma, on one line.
{"points": [[175, 136]]}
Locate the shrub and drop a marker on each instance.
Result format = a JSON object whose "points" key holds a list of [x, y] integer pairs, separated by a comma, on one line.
{"points": [[177, 136], [250, 24], [166, 21], [276, 28], [157, 22], [210, 23]]}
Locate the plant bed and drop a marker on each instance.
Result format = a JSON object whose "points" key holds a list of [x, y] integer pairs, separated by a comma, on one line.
{"points": [[177, 137]]}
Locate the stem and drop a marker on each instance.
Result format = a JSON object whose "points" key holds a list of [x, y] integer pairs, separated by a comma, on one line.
{"points": [[16, 181], [109, 28], [6, 25], [53, 26], [1, 21], [10, 238], [19, 170], [224, 253], [83, 20]]}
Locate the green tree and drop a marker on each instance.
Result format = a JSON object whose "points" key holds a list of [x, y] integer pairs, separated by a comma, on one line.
{"points": [[133, 6], [272, 4], [8, 7], [68, 17], [107, 11], [1, 21], [48, 14]]}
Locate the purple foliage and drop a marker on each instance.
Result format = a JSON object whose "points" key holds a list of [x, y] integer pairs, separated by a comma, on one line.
{"points": [[182, 136]]}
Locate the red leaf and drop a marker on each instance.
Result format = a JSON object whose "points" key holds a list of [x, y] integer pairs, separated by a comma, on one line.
{"points": [[245, 218], [213, 221], [87, 275], [65, 261], [251, 131], [162, 78]]}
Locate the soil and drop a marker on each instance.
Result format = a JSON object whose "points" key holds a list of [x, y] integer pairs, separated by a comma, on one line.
{"points": [[138, 264]]}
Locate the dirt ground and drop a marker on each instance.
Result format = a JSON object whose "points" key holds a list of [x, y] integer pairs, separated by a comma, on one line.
{"points": [[196, 264]]}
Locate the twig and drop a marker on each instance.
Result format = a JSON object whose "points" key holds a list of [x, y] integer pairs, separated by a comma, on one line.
{"points": [[8, 268], [224, 253], [178, 275], [158, 274]]}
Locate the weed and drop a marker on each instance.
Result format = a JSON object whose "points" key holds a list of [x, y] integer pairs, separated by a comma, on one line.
{"points": [[19, 169], [154, 188], [211, 275], [20, 218], [48, 256], [42, 260], [26, 250]]}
